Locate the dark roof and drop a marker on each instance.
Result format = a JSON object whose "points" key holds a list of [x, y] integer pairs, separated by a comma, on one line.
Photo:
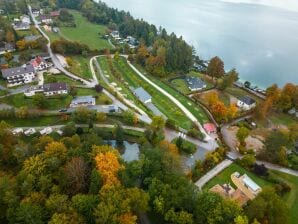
{"points": [[195, 82], [247, 100], [22, 25], [55, 13], [17, 71], [7, 47], [51, 87], [142, 94]]}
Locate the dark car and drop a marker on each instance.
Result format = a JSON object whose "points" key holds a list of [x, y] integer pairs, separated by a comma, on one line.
{"points": [[63, 110]]}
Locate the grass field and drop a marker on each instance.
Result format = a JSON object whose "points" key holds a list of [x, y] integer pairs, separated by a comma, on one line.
{"points": [[85, 32], [61, 78], [80, 67], [283, 119], [166, 106], [35, 122], [291, 198], [181, 85]]}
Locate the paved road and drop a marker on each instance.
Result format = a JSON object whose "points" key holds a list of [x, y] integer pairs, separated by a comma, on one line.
{"points": [[141, 114], [212, 173], [54, 58]]}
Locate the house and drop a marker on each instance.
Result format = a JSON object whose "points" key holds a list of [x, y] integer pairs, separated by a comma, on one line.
{"points": [[55, 13], [195, 83], [6, 48], [17, 131], [115, 34], [246, 103], [19, 75], [46, 19], [132, 42], [210, 128], [142, 95], [31, 38], [83, 101], [55, 89], [228, 192], [31, 91], [21, 26], [36, 11], [39, 64], [30, 131], [246, 185], [25, 19], [46, 131]]}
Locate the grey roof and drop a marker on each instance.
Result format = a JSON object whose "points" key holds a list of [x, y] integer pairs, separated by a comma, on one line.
{"points": [[45, 17], [82, 99], [21, 25], [7, 47], [51, 87], [247, 100], [142, 94], [195, 82], [17, 71], [31, 37]]}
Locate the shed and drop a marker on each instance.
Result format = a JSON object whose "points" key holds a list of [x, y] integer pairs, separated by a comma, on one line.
{"points": [[143, 95]]}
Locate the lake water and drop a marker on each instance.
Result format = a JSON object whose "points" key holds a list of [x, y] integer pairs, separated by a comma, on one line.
{"points": [[258, 37], [129, 151]]}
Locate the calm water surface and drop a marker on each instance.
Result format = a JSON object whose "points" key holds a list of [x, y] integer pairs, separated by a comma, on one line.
{"points": [[259, 40]]}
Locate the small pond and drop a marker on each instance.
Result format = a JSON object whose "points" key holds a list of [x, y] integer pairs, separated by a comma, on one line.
{"points": [[189, 161], [129, 151]]}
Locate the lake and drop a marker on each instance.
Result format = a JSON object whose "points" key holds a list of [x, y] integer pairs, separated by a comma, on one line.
{"points": [[257, 37]]}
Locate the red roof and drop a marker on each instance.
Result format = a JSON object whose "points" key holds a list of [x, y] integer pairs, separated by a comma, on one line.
{"points": [[55, 13], [37, 61], [209, 127]]}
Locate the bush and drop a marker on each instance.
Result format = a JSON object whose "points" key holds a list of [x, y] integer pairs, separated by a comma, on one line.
{"points": [[170, 123], [195, 133], [184, 145]]}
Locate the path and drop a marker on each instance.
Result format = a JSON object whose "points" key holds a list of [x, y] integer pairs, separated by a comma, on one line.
{"points": [[54, 58], [212, 173], [141, 114]]}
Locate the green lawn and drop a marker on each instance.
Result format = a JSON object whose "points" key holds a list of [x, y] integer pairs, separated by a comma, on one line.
{"points": [[61, 78], [237, 92], [101, 99], [167, 107], [291, 198], [80, 67], [283, 119], [225, 177], [181, 86], [85, 32], [35, 122]]}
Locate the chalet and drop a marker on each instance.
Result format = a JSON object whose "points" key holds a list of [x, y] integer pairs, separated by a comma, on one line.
{"points": [[55, 89], [142, 95], [19, 75], [55, 13], [246, 103], [195, 83], [25, 19], [21, 26], [46, 19], [83, 101], [115, 34], [6, 48], [39, 64]]}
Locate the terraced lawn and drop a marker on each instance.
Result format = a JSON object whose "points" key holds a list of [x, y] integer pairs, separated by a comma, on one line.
{"points": [[166, 106]]}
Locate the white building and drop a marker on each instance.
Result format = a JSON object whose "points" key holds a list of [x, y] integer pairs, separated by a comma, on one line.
{"points": [[246, 103], [7, 48], [19, 75], [21, 26], [115, 34], [55, 89], [83, 101], [46, 19], [39, 64], [143, 95], [25, 19]]}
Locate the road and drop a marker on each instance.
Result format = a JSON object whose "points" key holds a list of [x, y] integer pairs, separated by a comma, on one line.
{"points": [[212, 173], [141, 114], [54, 58]]}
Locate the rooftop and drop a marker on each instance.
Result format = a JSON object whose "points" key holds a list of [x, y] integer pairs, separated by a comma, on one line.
{"points": [[195, 82], [17, 71], [50, 87], [31, 37], [142, 94], [82, 99], [247, 100], [250, 183]]}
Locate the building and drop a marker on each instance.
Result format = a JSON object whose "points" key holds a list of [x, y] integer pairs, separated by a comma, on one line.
{"points": [[195, 83], [246, 103], [6, 48], [55, 13], [1, 11], [142, 95], [46, 19], [39, 64], [228, 192], [83, 101], [132, 42], [36, 11], [210, 128], [25, 19], [115, 34], [21, 26], [31, 38], [19, 75], [246, 185], [52, 89]]}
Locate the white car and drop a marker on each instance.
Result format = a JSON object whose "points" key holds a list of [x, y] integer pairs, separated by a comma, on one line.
{"points": [[30, 131]]}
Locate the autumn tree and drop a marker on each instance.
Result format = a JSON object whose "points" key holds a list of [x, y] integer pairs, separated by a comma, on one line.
{"points": [[8, 56], [216, 68], [229, 79], [21, 45], [142, 54], [242, 134]]}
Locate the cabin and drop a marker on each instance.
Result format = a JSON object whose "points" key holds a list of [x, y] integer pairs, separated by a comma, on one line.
{"points": [[143, 95], [195, 83], [115, 34], [246, 103]]}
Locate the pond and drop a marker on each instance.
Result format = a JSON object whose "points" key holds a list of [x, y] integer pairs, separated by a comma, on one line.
{"points": [[129, 151], [189, 161]]}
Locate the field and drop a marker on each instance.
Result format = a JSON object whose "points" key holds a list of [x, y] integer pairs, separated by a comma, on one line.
{"points": [[168, 108], [80, 67], [61, 78], [35, 122], [291, 198], [101, 98], [85, 32]]}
